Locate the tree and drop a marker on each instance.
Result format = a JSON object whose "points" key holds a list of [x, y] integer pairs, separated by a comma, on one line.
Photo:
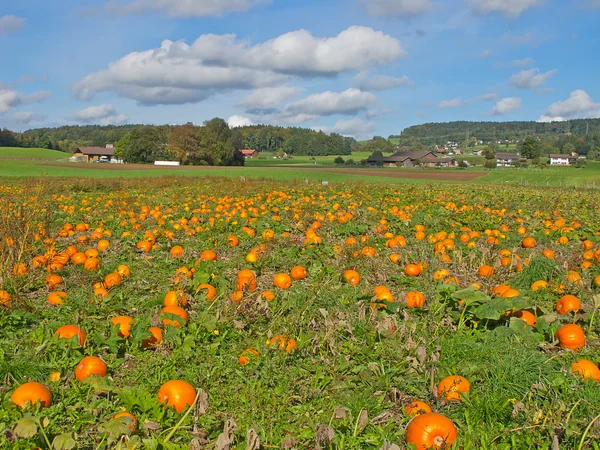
{"points": [[490, 163], [183, 143], [350, 162], [489, 152], [378, 145], [568, 148], [530, 148], [338, 160]]}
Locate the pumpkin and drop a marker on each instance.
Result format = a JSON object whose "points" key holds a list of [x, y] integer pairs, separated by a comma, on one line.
{"points": [[175, 298], [144, 246], [526, 316], [586, 369], [246, 281], [103, 245], [268, 295], [31, 393], [176, 310], [383, 294], [123, 325], [154, 339], [208, 255], [299, 273], [539, 284], [415, 299], [112, 280], [52, 281], [4, 298], [232, 241], [247, 355], [78, 258], [352, 277], [91, 253], [123, 270], [90, 365], [571, 336], [57, 298], [177, 394], [417, 407], [568, 303], [431, 430], [486, 271], [92, 264], [282, 281], [210, 293], [413, 270], [283, 343], [176, 251], [529, 242], [451, 387], [128, 419]]}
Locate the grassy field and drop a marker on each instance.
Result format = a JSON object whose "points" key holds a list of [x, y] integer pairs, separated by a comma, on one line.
{"points": [[330, 359], [37, 153]]}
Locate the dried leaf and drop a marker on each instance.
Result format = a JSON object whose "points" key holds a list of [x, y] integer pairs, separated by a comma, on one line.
{"points": [[223, 442], [252, 440], [26, 427], [555, 443], [422, 354], [149, 425], [324, 434], [195, 444], [362, 421], [289, 443], [239, 325], [383, 418], [202, 403], [341, 413], [388, 446], [519, 406]]}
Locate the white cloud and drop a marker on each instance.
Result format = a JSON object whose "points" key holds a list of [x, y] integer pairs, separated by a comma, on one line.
{"points": [[28, 117], [265, 99], [350, 127], [10, 99], [486, 53], [458, 102], [530, 79], [579, 105], [11, 24], [364, 82], [396, 8], [517, 63], [505, 106], [101, 115], [350, 101], [177, 73], [183, 8], [510, 8], [239, 121]]}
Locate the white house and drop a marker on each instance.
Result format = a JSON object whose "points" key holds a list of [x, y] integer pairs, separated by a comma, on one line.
{"points": [[562, 160]]}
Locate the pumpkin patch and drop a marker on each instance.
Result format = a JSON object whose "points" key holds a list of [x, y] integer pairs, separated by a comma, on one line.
{"points": [[342, 316]]}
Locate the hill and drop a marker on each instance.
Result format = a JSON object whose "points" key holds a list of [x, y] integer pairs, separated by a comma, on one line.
{"points": [[440, 133], [34, 153]]}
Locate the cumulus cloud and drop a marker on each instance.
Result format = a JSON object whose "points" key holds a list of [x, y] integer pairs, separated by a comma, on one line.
{"points": [[239, 121], [579, 105], [458, 102], [10, 98], [177, 73], [530, 79], [505, 106], [11, 24], [486, 53], [516, 63], [365, 82], [396, 8], [101, 115], [28, 117], [510, 8], [182, 8], [265, 100], [329, 103], [350, 127]]}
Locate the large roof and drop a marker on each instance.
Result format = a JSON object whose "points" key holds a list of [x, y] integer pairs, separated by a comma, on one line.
{"points": [[501, 155], [100, 151]]}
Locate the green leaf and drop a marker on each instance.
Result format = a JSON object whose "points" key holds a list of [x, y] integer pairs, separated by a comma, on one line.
{"points": [[64, 441], [495, 308], [115, 428], [470, 296], [26, 427]]}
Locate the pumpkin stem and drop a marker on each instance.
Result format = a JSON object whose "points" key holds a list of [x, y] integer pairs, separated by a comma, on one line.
{"points": [[439, 442]]}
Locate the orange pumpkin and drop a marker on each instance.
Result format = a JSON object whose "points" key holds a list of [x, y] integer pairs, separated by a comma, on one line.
{"points": [[247, 355], [431, 431], [90, 365], [486, 271], [112, 280], [92, 264], [176, 251], [123, 270], [123, 324], [128, 419], [417, 407], [208, 255], [175, 298], [586, 369], [57, 298], [568, 303], [176, 310], [177, 394], [299, 273], [210, 293], [282, 281], [232, 241], [529, 242], [31, 393], [526, 316], [415, 299], [413, 270], [352, 277], [451, 387], [154, 339], [571, 336], [53, 281], [4, 298]]}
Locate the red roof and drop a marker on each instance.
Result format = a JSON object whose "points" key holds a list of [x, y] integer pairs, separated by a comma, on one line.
{"points": [[247, 152]]}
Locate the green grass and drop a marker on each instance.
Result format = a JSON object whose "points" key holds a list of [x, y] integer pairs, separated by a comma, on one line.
{"points": [[37, 153], [266, 159], [588, 177]]}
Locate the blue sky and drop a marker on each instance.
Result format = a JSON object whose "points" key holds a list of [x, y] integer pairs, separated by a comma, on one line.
{"points": [[358, 67]]}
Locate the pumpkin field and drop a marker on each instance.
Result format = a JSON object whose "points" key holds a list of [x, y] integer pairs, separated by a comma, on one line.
{"points": [[176, 313]]}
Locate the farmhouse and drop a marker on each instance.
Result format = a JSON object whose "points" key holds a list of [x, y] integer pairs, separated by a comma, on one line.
{"points": [[562, 160], [91, 154], [398, 159], [248, 153], [438, 162], [507, 159]]}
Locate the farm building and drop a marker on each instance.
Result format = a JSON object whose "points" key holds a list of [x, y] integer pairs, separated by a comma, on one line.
{"points": [[438, 162], [91, 154], [248, 153], [562, 160], [398, 159], [508, 159]]}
